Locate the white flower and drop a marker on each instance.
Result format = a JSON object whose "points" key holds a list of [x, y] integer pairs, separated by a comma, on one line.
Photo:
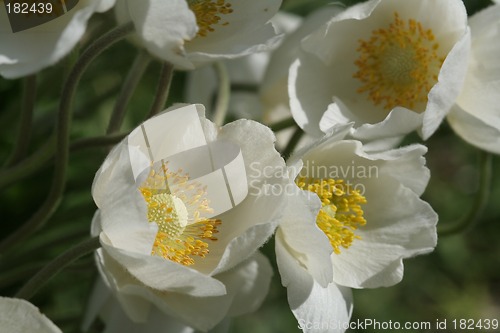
{"points": [[476, 116], [188, 33], [368, 207], [181, 202], [29, 51], [245, 74], [389, 66], [20, 316], [248, 283]]}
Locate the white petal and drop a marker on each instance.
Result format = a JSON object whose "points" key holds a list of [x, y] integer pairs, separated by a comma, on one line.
{"points": [[317, 309], [474, 130], [248, 284], [163, 27], [274, 86], [302, 237], [393, 231], [450, 81], [407, 165], [481, 91], [250, 225], [20, 316], [193, 307], [27, 52], [158, 273], [246, 32], [308, 102]]}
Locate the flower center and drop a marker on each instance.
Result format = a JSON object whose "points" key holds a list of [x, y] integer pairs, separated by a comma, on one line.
{"points": [[398, 65], [341, 214], [182, 232], [208, 13]]}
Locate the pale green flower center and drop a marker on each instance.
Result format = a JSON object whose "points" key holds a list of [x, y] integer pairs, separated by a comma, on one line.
{"points": [[398, 65], [341, 214], [209, 14], [182, 232]]}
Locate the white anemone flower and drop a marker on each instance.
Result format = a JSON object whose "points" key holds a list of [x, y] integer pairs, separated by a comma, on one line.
{"points": [[359, 215], [188, 33], [20, 316], [181, 203], [245, 75], [389, 66], [248, 283], [29, 51], [476, 116]]}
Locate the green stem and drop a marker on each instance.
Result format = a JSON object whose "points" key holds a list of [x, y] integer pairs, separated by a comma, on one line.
{"points": [[294, 140], [481, 199], [97, 141], [46, 152], [28, 166], [223, 94], [282, 124], [135, 74], [25, 122], [62, 129], [163, 89], [56, 265]]}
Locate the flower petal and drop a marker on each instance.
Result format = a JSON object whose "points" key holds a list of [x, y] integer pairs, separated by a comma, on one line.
{"points": [[316, 308], [29, 51], [474, 130], [303, 239], [393, 232], [163, 27], [248, 284], [20, 316]]}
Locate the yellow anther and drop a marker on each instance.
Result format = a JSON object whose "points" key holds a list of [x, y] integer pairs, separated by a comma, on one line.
{"points": [[182, 231], [341, 214], [208, 14], [398, 65]]}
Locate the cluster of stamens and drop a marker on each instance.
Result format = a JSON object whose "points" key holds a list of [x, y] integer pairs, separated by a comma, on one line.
{"points": [[182, 231], [341, 213], [398, 66], [208, 14]]}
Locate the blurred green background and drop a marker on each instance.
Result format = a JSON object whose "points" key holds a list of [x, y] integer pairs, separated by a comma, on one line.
{"points": [[460, 280]]}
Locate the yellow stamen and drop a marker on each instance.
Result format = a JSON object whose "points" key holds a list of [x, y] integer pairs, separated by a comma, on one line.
{"points": [[399, 65], [208, 14], [341, 214], [182, 232]]}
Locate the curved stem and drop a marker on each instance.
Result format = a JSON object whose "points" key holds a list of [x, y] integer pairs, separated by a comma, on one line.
{"points": [[97, 141], [46, 152], [223, 94], [62, 129], [25, 122], [163, 89], [135, 74], [56, 265], [481, 199], [29, 165], [294, 140]]}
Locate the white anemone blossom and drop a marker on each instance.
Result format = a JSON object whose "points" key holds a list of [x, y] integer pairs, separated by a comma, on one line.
{"points": [[182, 206], [389, 66], [476, 116], [358, 216], [20, 316], [31, 50], [188, 33], [248, 278]]}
